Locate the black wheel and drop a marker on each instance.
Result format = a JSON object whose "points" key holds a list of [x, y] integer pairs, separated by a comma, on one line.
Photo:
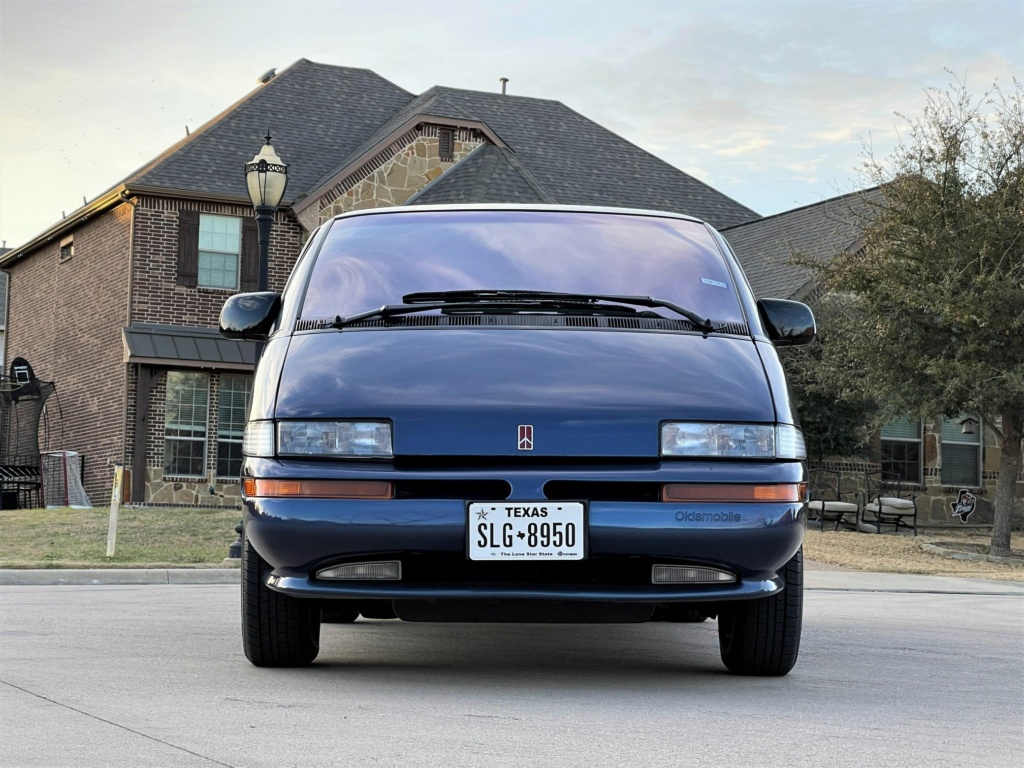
{"points": [[277, 630], [762, 637]]}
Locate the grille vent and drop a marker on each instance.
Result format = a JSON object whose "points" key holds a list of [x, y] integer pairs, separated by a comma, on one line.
{"points": [[525, 321]]}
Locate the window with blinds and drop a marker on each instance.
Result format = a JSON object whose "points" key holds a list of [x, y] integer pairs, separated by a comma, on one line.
{"points": [[220, 248], [901, 450], [233, 400], [185, 419], [961, 454]]}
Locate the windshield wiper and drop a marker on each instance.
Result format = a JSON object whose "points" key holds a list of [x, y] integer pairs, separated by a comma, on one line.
{"points": [[388, 310], [436, 298], [504, 306]]}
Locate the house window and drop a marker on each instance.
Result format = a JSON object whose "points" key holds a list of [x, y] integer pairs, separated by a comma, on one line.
{"points": [[232, 411], [445, 144], [67, 249], [901, 450], [961, 453], [185, 417], [220, 247]]}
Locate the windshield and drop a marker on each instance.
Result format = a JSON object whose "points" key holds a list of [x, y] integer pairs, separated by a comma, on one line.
{"points": [[369, 261]]}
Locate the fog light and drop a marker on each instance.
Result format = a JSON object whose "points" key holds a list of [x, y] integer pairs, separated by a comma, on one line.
{"points": [[387, 571], [686, 574]]}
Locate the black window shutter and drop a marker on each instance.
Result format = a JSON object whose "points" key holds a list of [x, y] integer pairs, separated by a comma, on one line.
{"points": [[188, 248], [249, 275]]}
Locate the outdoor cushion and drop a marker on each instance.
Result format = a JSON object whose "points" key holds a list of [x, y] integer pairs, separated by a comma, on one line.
{"points": [[832, 506], [891, 506]]}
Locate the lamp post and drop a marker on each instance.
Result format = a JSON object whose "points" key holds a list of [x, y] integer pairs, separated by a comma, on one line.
{"points": [[266, 178]]}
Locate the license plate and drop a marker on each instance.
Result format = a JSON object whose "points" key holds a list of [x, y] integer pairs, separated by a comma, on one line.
{"points": [[527, 530]]}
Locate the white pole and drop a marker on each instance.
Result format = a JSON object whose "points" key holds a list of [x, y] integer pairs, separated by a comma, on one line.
{"points": [[115, 507]]}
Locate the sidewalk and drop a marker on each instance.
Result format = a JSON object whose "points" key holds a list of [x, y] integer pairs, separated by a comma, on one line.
{"points": [[842, 581]]}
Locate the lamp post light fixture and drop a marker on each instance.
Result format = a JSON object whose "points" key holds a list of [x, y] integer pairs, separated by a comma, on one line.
{"points": [[267, 178]]}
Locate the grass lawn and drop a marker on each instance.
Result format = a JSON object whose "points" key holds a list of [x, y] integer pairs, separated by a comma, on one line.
{"points": [[889, 553], [77, 538]]}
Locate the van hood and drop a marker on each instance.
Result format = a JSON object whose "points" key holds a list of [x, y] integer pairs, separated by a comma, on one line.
{"points": [[465, 392]]}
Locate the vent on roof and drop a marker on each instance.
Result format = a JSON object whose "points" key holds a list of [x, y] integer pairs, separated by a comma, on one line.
{"points": [[267, 76], [504, 82], [525, 321], [445, 144]]}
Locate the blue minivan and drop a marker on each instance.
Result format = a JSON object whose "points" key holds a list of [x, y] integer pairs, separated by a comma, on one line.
{"points": [[521, 414]]}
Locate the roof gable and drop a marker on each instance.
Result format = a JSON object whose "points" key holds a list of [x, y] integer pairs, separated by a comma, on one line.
{"points": [[578, 162], [317, 113]]}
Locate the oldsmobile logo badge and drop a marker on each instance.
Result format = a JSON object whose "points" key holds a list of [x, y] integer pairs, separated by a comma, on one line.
{"points": [[525, 437]]}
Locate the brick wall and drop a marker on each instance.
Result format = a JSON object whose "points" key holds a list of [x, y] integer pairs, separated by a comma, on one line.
{"points": [[157, 298], [65, 318]]}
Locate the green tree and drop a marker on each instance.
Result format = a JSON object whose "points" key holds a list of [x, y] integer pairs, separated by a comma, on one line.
{"points": [[836, 421], [934, 320]]}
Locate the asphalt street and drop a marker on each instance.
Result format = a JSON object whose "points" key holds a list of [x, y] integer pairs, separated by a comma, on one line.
{"points": [[153, 674]]}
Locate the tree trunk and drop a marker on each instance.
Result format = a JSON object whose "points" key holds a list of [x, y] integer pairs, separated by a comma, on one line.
{"points": [[1009, 469]]}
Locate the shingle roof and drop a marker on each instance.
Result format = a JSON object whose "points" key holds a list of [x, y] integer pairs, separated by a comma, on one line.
{"points": [[317, 114], [325, 117], [186, 346], [765, 247], [576, 161], [489, 175]]}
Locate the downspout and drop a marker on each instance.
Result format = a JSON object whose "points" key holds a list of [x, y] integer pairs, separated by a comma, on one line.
{"points": [[7, 308], [133, 202]]}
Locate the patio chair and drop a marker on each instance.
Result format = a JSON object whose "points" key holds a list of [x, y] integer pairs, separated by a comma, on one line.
{"points": [[888, 502], [826, 502]]}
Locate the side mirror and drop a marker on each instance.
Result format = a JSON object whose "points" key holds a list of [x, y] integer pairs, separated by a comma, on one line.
{"points": [[788, 323], [250, 315]]}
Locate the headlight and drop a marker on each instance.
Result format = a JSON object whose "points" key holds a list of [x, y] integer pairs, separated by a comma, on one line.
{"points": [[732, 441], [334, 438]]}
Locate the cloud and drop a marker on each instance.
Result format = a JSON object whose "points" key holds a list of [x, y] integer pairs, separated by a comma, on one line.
{"points": [[768, 102]]}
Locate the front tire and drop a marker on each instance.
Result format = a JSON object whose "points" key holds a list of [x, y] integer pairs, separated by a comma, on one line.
{"points": [[277, 630], [762, 637]]}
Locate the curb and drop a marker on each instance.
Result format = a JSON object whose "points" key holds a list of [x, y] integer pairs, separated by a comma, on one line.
{"points": [[118, 576], [954, 554]]}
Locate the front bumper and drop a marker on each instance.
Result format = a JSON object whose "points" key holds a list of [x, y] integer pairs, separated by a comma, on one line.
{"points": [[298, 537]]}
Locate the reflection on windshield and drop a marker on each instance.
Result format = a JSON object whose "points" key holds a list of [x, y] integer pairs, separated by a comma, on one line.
{"points": [[369, 261]]}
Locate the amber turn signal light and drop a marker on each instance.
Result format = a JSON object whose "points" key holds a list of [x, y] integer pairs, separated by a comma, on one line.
{"points": [[697, 492], [318, 489]]}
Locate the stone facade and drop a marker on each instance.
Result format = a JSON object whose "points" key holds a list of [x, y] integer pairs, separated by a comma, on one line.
{"points": [[409, 165], [933, 497]]}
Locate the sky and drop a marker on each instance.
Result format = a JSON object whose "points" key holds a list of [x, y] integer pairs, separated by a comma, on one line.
{"points": [[772, 103]]}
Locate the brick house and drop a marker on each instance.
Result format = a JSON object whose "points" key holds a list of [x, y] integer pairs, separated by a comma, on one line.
{"points": [[936, 457], [118, 302]]}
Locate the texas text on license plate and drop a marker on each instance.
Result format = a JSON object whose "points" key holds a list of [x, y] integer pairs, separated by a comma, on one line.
{"points": [[526, 530]]}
